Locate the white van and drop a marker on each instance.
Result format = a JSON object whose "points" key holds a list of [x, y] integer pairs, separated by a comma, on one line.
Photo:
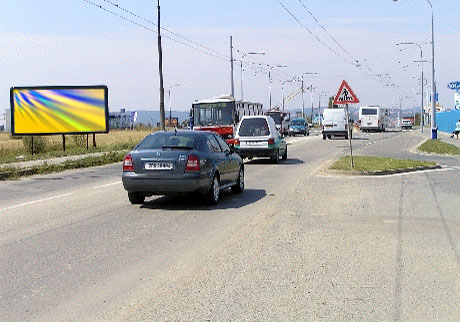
{"points": [[335, 123], [373, 118]]}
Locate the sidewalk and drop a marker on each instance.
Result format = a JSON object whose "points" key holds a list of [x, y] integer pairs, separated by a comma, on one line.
{"points": [[445, 137], [33, 163]]}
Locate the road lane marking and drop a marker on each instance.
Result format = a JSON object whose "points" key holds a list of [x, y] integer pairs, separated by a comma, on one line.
{"points": [[417, 172], [35, 201], [107, 185]]}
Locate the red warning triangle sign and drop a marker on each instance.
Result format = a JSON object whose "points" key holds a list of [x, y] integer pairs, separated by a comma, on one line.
{"points": [[345, 95]]}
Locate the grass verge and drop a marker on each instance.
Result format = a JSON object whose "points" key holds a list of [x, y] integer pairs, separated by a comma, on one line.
{"points": [[439, 147], [374, 164], [11, 173]]}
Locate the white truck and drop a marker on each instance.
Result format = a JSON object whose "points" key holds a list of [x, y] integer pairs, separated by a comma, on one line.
{"points": [[335, 123], [373, 118]]}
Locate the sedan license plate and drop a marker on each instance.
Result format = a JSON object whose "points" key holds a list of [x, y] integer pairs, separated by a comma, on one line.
{"points": [[158, 165]]}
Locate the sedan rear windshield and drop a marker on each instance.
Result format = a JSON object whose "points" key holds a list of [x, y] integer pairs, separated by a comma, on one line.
{"points": [[168, 141], [254, 127]]}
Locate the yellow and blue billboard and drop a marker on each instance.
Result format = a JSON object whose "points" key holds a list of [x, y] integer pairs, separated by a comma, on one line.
{"points": [[59, 110]]}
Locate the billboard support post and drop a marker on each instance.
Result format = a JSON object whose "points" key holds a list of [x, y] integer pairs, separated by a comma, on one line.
{"points": [[63, 142], [94, 140], [32, 145], [87, 139]]}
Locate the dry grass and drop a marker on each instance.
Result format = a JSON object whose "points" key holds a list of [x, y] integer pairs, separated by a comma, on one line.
{"points": [[7, 143], [12, 149]]}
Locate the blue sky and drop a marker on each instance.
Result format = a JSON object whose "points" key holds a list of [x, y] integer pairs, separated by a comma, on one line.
{"points": [[74, 43]]}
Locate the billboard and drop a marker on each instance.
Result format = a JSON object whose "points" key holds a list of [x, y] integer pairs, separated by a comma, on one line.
{"points": [[59, 110]]}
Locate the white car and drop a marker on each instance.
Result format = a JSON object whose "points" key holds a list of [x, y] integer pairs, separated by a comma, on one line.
{"points": [[406, 124], [257, 136]]}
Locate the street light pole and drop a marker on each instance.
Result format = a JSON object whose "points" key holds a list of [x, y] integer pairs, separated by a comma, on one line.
{"points": [[421, 61], [434, 128], [270, 83], [303, 100], [169, 100], [241, 64]]}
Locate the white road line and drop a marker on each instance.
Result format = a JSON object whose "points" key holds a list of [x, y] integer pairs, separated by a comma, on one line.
{"points": [[36, 201], [415, 172], [107, 185]]}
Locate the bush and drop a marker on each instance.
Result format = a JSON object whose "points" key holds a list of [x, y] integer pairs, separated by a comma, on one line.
{"points": [[40, 143], [79, 140]]}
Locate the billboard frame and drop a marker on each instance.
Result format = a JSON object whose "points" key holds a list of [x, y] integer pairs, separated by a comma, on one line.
{"points": [[106, 109]]}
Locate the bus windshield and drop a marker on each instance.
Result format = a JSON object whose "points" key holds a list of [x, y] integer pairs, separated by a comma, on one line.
{"points": [[213, 113], [369, 111], [276, 116]]}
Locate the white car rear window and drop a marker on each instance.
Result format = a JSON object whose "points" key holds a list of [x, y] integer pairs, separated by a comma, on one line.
{"points": [[254, 127]]}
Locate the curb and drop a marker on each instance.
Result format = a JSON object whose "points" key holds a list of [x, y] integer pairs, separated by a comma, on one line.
{"points": [[384, 172]]}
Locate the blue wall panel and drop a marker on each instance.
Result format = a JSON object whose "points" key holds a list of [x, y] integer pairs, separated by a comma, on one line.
{"points": [[446, 120]]}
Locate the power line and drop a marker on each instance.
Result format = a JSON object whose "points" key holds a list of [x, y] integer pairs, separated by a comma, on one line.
{"points": [[357, 64], [152, 30], [167, 30], [327, 32], [313, 34]]}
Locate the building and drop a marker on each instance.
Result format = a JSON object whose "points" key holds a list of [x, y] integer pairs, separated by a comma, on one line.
{"points": [[122, 120]]}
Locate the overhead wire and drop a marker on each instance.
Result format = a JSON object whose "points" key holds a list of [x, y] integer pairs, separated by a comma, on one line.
{"points": [[165, 29], [355, 62], [154, 31]]}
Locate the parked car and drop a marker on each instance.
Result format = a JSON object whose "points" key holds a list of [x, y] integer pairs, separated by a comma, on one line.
{"points": [[335, 123], [166, 163], [406, 124], [299, 126], [257, 136]]}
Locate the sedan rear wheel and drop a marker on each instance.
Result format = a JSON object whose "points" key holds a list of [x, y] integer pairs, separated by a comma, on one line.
{"points": [[136, 198], [276, 158], [239, 186], [214, 191]]}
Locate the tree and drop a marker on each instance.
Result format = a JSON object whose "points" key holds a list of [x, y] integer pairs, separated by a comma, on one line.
{"points": [[331, 102]]}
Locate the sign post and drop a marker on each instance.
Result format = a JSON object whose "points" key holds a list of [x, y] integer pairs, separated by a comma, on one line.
{"points": [[346, 96]]}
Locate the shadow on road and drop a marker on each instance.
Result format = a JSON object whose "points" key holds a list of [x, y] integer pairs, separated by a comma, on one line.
{"points": [[228, 200], [289, 161]]}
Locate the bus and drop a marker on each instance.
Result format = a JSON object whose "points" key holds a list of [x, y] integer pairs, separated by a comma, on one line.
{"points": [[221, 115], [373, 118], [282, 120]]}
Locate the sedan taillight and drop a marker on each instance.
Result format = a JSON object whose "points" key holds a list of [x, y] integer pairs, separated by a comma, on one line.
{"points": [[128, 164], [193, 163], [271, 141]]}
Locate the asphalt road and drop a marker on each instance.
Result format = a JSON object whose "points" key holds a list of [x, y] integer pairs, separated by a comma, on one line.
{"points": [[300, 243]]}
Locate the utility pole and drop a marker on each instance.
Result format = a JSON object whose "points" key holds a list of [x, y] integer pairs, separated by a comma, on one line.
{"points": [[311, 99], [231, 67], [160, 65], [303, 101]]}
